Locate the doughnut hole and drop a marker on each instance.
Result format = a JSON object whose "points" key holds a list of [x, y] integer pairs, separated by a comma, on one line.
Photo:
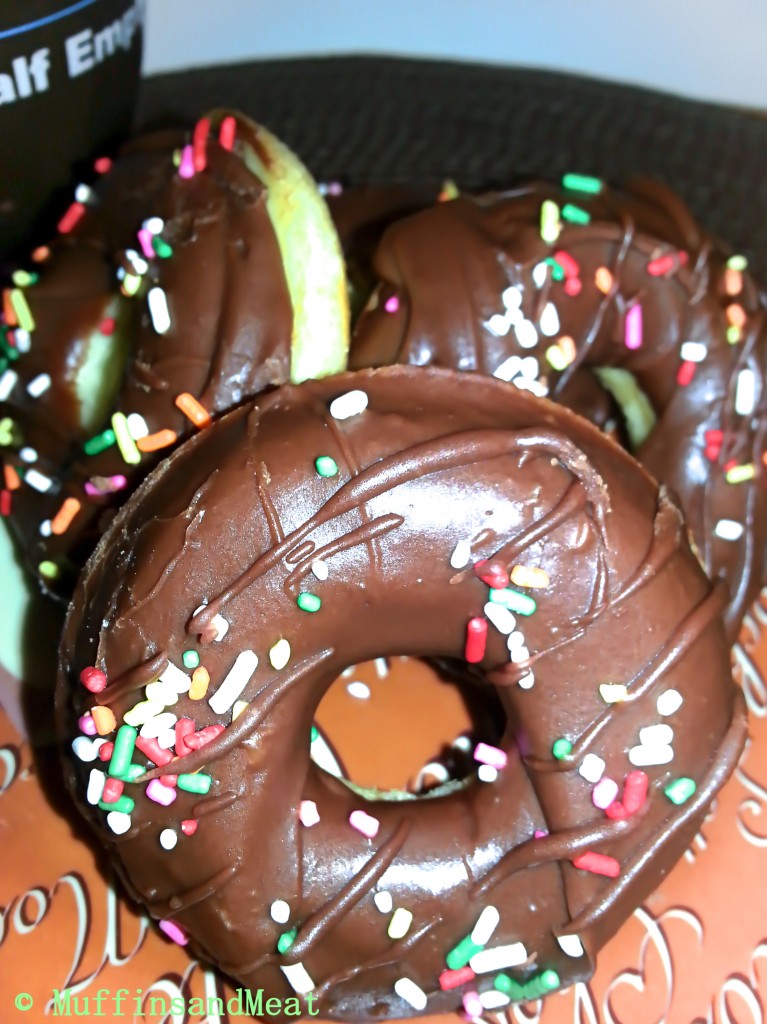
{"points": [[403, 725]]}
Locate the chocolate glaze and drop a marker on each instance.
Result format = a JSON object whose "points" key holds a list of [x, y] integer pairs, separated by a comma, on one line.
{"points": [[443, 272], [229, 335], [231, 524]]}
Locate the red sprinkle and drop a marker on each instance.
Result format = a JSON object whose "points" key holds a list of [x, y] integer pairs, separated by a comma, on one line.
{"points": [[189, 826], [476, 640], [153, 750], [597, 864], [567, 263], [200, 739], [452, 979], [71, 217], [661, 265], [107, 327], [102, 165], [199, 144], [169, 780], [711, 452], [93, 679], [714, 436], [616, 811], [105, 751], [113, 789], [685, 373], [227, 131], [184, 727], [573, 286], [5, 503], [635, 791], [492, 573]]}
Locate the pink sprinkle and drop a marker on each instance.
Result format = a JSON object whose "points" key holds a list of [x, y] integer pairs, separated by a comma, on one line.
{"points": [[661, 265], [486, 754], [226, 132], [633, 336], [87, 725], [115, 483], [453, 979], [539, 834], [160, 794], [392, 304], [685, 373], [573, 286], [364, 823], [605, 791], [71, 217], [308, 813], [174, 932], [102, 165], [145, 238], [186, 167], [567, 263], [472, 1004], [189, 826]]}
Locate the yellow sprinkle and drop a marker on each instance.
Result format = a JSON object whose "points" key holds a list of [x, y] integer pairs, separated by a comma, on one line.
{"points": [[131, 284], [238, 708], [550, 223], [556, 357], [200, 683], [125, 442], [739, 474], [604, 280], [279, 655], [613, 693], [529, 576], [22, 310], [449, 191]]}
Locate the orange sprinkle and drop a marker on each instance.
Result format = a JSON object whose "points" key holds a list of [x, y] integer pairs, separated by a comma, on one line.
{"points": [[529, 576], [12, 478], [104, 718], [764, 458], [736, 314], [567, 347], [63, 518], [200, 682], [153, 442], [9, 313], [733, 281], [603, 279], [192, 409], [41, 253]]}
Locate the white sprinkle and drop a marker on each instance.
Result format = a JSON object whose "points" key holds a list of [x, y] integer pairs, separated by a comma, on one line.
{"points": [[7, 384], [46, 528], [162, 693], [359, 690], [499, 325], [137, 425], [503, 620], [529, 368], [152, 729], [298, 977], [496, 959], [238, 677], [142, 712], [28, 455], [641, 757], [383, 900], [238, 707], [669, 702], [745, 392], [400, 923], [411, 993], [83, 193], [175, 678], [486, 773], [38, 480], [493, 999], [527, 335], [535, 387], [23, 339], [86, 748], [462, 743], [603, 794], [308, 814], [540, 273], [486, 924], [612, 693], [96, 781], [653, 735], [166, 739], [726, 529], [519, 654], [508, 368], [511, 297], [324, 757], [515, 640], [119, 822], [693, 351], [280, 912], [138, 263], [350, 404], [320, 569], [592, 768], [279, 655], [221, 626], [39, 385], [153, 225], [549, 322], [461, 554], [570, 945], [527, 681], [438, 772], [168, 839], [158, 310]]}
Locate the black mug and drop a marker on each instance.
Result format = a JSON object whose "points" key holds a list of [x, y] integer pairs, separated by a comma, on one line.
{"points": [[69, 73]]}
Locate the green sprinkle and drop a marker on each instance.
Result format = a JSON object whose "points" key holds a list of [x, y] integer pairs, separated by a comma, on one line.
{"points": [[575, 214], [326, 466], [582, 183], [309, 602], [197, 782], [133, 772], [8, 350], [161, 247], [100, 442], [562, 748], [124, 804], [542, 983], [125, 743], [513, 989], [286, 940], [733, 334], [737, 262], [557, 270], [191, 659], [315, 733], [462, 953], [680, 790], [49, 570], [23, 278], [522, 604]]}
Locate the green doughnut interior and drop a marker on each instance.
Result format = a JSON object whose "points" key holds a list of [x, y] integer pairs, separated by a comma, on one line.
{"points": [[638, 414], [100, 371]]}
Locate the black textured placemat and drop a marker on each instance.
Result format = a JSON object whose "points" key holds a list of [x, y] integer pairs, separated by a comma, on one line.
{"points": [[383, 119]]}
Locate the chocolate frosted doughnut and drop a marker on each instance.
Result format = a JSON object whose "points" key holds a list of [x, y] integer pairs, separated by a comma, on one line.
{"points": [[400, 511], [586, 294]]}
